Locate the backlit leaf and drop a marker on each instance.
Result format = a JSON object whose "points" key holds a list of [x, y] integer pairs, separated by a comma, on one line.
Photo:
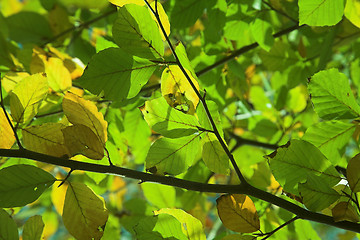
{"points": [[330, 137], [183, 58], [190, 225], [58, 75], [8, 227], [116, 73], [80, 139], [353, 173], [332, 96], [85, 112], [163, 18], [214, 155], [6, 133], [304, 159], [136, 32], [238, 213], [177, 90], [161, 196], [262, 33], [10, 80], [121, 3], [33, 228], [167, 121], [27, 96], [46, 138], [345, 211], [172, 156], [352, 12], [22, 184], [316, 12], [316, 194], [85, 213]]}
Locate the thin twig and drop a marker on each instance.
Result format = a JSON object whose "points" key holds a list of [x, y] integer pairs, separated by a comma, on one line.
{"points": [[7, 116], [201, 98], [242, 141], [269, 234], [66, 178], [279, 12]]}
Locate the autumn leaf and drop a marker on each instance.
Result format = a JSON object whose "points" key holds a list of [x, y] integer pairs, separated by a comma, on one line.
{"points": [[6, 133], [353, 173], [345, 211], [163, 18], [238, 213]]}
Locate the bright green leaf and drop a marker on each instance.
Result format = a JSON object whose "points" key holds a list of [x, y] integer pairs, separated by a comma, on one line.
{"points": [[116, 73], [262, 33], [33, 228], [320, 12], [332, 96], [204, 119], [8, 228], [85, 213], [168, 121], [22, 184], [172, 156], [214, 155], [352, 12], [137, 33], [159, 195]]}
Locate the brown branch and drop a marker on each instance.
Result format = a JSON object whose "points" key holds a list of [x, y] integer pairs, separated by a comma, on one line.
{"points": [[269, 234]]}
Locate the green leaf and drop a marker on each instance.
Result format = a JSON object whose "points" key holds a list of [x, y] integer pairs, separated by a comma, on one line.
{"points": [[330, 137], [204, 120], [316, 194], [306, 230], [304, 159], [22, 184], [137, 33], [320, 12], [159, 195], [262, 33], [279, 57], [26, 97], [353, 173], [168, 121], [116, 73], [352, 10], [183, 58], [162, 226], [33, 228], [214, 155], [332, 96], [8, 228], [172, 156], [190, 225], [85, 213]]}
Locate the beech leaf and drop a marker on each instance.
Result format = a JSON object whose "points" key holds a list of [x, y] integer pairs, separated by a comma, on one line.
{"points": [[353, 173], [345, 211], [6, 133]]}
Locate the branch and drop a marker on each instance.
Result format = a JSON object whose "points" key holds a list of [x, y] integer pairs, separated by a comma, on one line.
{"points": [[201, 98], [269, 234], [185, 184], [242, 141], [244, 50]]}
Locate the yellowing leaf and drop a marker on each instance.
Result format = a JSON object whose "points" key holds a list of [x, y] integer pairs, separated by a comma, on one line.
{"points": [[190, 226], [238, 213], [163, 18], [46, 138], [85, 112], [352, 12], [27, 96], [58, 195], [80, 139], [177, 90], [6, 133], [353, 173], [58, 75], [11, 79], [345, 211], [84, 214], [121, 3]]}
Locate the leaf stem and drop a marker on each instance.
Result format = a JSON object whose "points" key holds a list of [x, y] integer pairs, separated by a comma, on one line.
{"points": [[201, 98]]}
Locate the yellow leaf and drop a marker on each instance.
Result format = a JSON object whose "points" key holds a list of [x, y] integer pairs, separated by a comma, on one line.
{"points": [[85, 112], [6, 133], [58, 75], [58, 195], [37, 64], [46, 138], [163, 18], [84, 214], [352, 12], [190, 226], [27, 96], [177, 90], [238, 213], [11, 79], [121, 3], [353, 173], [345, 211], [80, 139]]}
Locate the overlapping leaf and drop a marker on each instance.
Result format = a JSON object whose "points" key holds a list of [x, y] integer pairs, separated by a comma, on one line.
{"points": [[262, 33], [304, 159], [352, 12], [58, 75], [8, 227], [46, 138], [168, 121], [22, 184], [172, 156], [27, 96], [238, 213], [214, 155], [177, 90], [137, 33], [353, 173], [117, 74], [345, 211], [6, 133], [85, 213], [33, 228], [163, 18], [161, 196], [332, 96]]}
